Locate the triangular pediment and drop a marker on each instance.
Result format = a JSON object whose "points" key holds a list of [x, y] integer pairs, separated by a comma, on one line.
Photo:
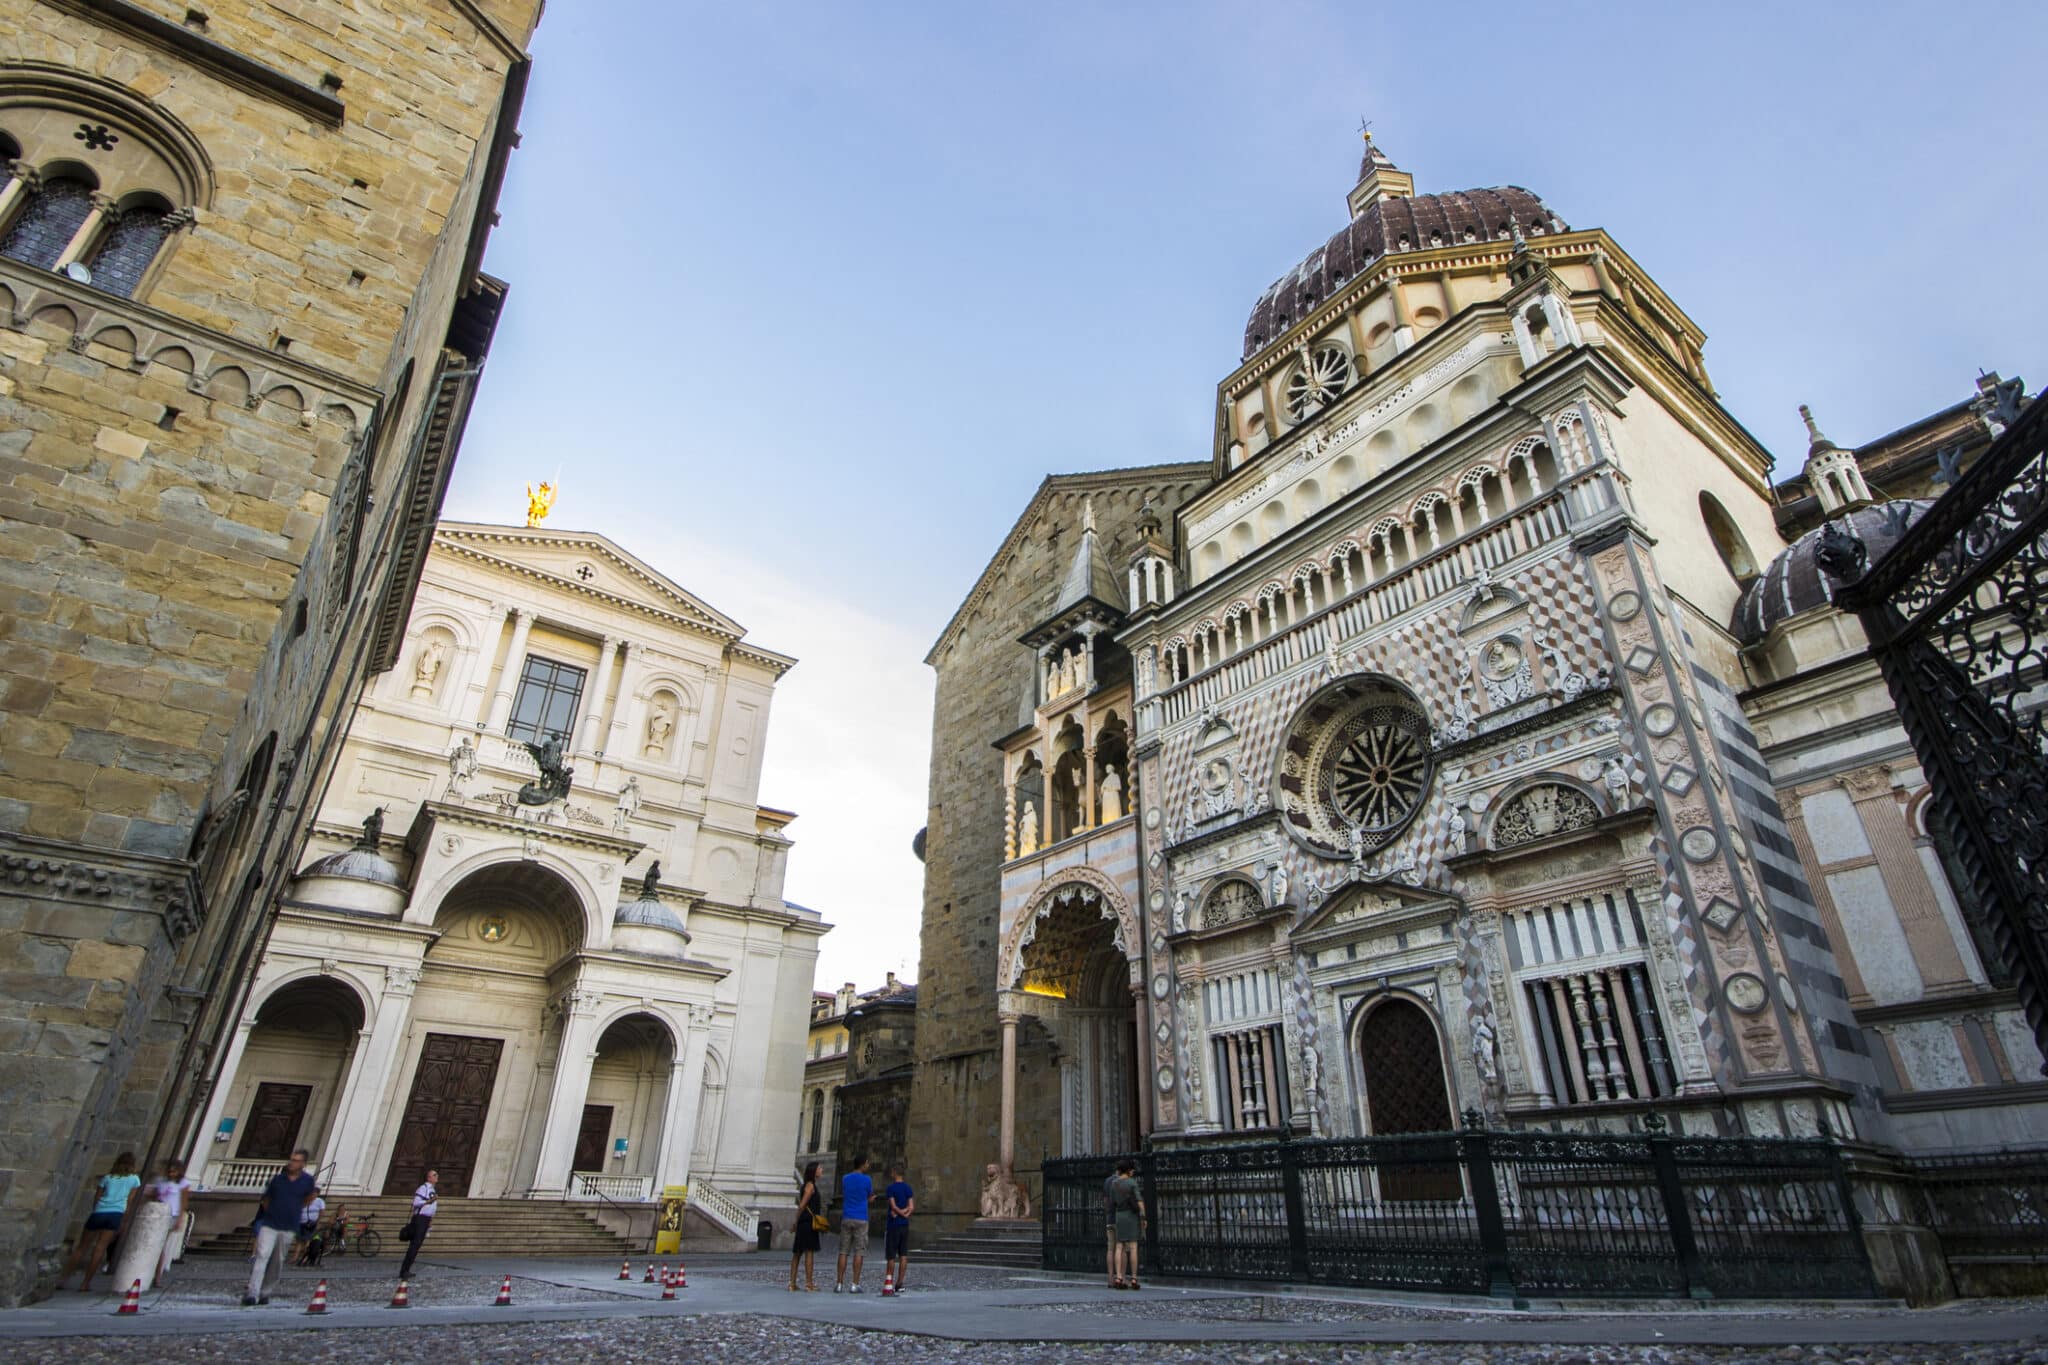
{"points": [[585, 562], [1373, 903]]}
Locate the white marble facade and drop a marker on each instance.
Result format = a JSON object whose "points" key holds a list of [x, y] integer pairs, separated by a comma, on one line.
{"points": [[494, 987]]}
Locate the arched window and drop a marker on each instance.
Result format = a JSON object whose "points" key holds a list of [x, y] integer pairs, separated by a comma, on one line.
{"points": [[1728, 541], [130, 244], [50, 220], [817, 1119]]}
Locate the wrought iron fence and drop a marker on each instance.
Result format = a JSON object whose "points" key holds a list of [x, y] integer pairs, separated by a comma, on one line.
{"points": [[1987, 1205], [1510, 1214]]}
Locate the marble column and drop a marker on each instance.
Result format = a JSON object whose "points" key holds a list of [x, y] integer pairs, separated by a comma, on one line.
{"points": [[1007, 1150], [565, 1097], [685, 1098], [508, 681], [361, 1107], [594, 713]]}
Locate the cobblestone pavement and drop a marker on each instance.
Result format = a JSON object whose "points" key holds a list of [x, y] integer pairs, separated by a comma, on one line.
{"points": [[761, 1339]]}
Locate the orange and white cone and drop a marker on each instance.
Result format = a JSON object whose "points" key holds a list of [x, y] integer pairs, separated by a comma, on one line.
{"points": [[668, 1285], [650, 1274], [319, 1303], [399, 1298], [504, 1294], [131, 1302], [682, 1276], [888, 1284], [625, 1270]]}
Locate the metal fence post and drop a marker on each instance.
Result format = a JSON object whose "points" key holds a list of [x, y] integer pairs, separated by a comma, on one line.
{"points": [[1475, 1145], [1846, 1192], [1297, 1217], [1148, 1180], [1677, 1214]]}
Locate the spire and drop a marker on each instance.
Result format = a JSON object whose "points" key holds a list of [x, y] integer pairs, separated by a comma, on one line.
{"points": [[1378, 177], [1816, 443], [1089, 574]]}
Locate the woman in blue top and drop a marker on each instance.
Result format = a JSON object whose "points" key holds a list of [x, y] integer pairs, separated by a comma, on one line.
{"points": [[116, 1188]]}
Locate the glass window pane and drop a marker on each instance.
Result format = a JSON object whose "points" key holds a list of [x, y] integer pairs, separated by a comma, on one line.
{"points": [[49, 222]]}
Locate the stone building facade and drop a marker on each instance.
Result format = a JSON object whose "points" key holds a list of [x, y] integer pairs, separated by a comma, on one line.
{"points": [[874, 1098], [600, 993], [241, 323], [1399, 762]]}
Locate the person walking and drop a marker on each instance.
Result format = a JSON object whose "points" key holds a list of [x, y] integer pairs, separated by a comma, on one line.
{"points": [[896, 1232], [277, 1224], [1129, 1204], [810, 1218], [856, 1187], [1109, 1225], [425, 1202], [110, 1205], [171, 1190]]}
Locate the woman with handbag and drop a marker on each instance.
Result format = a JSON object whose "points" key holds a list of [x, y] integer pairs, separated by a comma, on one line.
{"points": [[810, 1222], [425, 1202]]}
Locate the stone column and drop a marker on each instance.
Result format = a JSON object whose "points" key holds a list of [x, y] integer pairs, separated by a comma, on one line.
{"points": [[515, 660], [361, 1105], [1088, 820], [565, 1098], [1007, 1148], [594, 713], [685, 1097], [88, 231], [21, 178], [203, 1145], [613, 738]]}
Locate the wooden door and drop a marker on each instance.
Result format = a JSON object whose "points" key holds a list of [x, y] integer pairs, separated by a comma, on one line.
{"points": [[444, 1117], [274, 1120], [592, 1138], [1405, 1093]]}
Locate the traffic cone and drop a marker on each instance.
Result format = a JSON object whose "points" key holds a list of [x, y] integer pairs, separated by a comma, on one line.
{"points": [[664, 1272], [504, 1294], [319, 1303], [888, 1284], [625, 1270], [131, 1302], [399, 1298], [650, 1274], [668, 1285], [682, 1276]]}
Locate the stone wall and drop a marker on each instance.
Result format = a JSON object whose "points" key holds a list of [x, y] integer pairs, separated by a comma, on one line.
{"points": [[985, 690], [186, 606]]}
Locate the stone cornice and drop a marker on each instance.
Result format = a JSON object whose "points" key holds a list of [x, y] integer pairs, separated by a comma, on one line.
{"points": [[435, 812], [210, 56], [694, 625], [46, 870], [30, 291]]}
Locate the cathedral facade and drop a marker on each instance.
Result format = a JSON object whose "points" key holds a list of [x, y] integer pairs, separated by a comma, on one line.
{"points": [[539, 942], [1396, 765]]}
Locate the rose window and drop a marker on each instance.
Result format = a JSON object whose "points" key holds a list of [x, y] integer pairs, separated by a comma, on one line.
{"points": [[1357, 767], [1315, 384]]}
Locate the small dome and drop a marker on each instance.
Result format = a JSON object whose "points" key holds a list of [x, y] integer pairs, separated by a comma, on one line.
{"points": [[1795, 582], [1393, 224], [649, 913], [354, 865]]}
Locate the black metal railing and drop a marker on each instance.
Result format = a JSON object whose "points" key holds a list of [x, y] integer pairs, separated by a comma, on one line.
{"points": [[1987, 1205], [1508, 1214]]}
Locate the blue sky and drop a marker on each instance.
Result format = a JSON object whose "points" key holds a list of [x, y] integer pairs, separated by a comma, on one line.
{"points": [[806, 298]]}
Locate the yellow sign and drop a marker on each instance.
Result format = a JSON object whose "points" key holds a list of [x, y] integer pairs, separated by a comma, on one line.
{"points": [[668, 1234]]}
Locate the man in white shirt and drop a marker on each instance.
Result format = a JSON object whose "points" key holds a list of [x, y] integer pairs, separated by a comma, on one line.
{"points": [[425, 1201]]}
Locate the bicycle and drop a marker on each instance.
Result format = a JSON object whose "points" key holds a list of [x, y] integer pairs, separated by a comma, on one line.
{"points": [[368, 1241]]}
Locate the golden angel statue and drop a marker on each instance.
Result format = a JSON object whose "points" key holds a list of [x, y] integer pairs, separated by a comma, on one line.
{"points": [[539, 501]]}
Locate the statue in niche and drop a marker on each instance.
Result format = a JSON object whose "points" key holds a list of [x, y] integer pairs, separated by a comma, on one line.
{"points": [[1483, 1050], [1456, 828], [555, 776], [1111, 790], [1505, 671], [660, 721], [1027, 828], [629, 804], [461, 766], [1001, 1195], [373, 830], [427, 668], [1182, 903], [1052, 677], [1616, 778], [1279, 885]]}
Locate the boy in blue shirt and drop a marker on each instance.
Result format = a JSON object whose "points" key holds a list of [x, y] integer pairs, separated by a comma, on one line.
{"points": [[896, 1235], [855, 1187]]}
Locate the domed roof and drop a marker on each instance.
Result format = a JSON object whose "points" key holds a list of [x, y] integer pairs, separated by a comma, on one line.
{"points": [[355, 864], [1795, 582], [1394, 224], [650, 914]]}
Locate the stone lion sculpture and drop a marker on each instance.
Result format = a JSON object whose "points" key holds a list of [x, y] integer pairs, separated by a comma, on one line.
{"points": [[1002, 1197]]}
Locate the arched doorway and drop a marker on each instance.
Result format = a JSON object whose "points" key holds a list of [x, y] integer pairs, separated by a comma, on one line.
{"points": [[1402, 1065], [483, 1039], [1074, 972], [625, 1102], [297, 1060]]}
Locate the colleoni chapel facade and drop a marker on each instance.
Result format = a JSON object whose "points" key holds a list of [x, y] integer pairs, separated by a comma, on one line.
{"points": [[1397, 761], [537, 992]]}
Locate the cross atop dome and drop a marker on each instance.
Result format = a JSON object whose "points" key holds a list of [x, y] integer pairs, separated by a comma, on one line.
{"points": [[1378, 177]]}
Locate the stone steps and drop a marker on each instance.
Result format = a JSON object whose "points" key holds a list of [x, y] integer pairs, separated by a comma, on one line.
{"points": [[1007, 1244], [468, 1227]]}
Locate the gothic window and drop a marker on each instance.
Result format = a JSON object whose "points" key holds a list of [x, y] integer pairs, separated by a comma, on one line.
{"points": [[52, 218], [1251, 1081], [1541, 812], [1319, 380], [129, 246], [546, 702]]}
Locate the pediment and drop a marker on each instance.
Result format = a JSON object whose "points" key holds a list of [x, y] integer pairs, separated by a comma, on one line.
{"points": [[1374, 905], [586, 562]]}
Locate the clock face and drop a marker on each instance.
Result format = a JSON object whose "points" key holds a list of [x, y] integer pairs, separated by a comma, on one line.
{"points": [[493, 929]]}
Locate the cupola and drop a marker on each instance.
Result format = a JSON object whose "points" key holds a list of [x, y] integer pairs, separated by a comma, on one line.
{"points": [[357, 880], [647, 924], [1832, 472], [1151, 563], [1378, 178]]}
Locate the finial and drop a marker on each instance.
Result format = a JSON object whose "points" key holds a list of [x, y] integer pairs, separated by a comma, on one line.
{"points": [[1365, 130], [1815, 440], [539, 502]]}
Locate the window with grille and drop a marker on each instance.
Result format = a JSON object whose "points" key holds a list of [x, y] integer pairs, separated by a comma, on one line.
{"points": [[1251, 1078], [546, 703], [1599, 1035], [817, 1118], [53, 216], [130, 245]]}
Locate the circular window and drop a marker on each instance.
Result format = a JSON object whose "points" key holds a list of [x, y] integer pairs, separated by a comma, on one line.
{"points": [[1357, 767], [1313, 385]]}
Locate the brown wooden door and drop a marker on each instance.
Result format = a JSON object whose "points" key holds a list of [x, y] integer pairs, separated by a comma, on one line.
{"points": [[592, 1137], [1404, 1093], [274, 1120], [444, 1118]]}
